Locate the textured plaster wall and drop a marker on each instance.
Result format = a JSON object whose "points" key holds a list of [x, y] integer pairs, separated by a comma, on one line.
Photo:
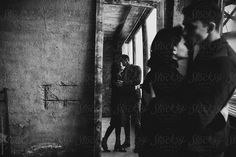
{"points": [[48, 42]]}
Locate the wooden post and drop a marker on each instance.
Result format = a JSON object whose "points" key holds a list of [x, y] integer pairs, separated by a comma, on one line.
{"points": [[98, 78], [169, 13], [145, 48], [134, 50], [160, 15]]}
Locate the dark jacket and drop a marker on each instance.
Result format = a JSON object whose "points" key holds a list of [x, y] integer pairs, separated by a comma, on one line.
{"points": [[131, 77], [209, 86], [161, 119]]}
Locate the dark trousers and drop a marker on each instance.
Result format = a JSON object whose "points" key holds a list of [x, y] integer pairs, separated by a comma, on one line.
{"points": [[131, 115]]}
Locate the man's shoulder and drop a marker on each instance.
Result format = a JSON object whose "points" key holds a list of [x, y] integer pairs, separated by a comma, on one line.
{"points": [[223, 49], [135, 67]]}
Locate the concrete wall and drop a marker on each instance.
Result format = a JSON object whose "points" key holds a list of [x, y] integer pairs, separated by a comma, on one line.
{"points": [[48, 42], [111, 53], [108, 53]]}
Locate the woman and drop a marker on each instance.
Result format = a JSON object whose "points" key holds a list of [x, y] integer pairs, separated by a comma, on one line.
{"points": [[115, 122], [161, 127]]}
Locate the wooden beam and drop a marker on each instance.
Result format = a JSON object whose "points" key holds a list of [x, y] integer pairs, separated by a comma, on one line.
{"points": [[229, 2], [98, 78], [145, 48], [135, 3], [146, 12], [229, 35], [160, 15], [168, 13], [118, 32], [227, 15], [134, 50], [222, 8]]}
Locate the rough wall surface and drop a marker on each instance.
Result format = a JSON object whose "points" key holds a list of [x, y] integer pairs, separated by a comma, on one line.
{"points": [[48, 42], [108, 55]]}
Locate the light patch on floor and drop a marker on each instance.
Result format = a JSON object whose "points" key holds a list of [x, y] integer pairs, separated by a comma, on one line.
{"points": [[111, 142]]}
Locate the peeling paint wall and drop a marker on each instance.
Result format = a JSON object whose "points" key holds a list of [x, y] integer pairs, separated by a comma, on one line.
{"points": [[48, 42]]}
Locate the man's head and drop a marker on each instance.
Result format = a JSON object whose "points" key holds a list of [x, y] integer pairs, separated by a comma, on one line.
{"points": [[200, 20], [124, 61]]}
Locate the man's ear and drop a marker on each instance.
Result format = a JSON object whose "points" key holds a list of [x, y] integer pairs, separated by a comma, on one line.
{"points": [[212, 26]]}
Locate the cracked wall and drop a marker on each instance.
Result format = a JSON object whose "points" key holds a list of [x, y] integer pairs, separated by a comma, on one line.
{"points": [[48, 42]]}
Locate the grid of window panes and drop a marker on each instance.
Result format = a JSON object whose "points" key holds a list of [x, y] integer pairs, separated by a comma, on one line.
{"points": [[127, 48], [230, 26]]}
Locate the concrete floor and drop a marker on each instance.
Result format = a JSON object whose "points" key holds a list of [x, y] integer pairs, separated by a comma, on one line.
{"points": [[111, 142]]}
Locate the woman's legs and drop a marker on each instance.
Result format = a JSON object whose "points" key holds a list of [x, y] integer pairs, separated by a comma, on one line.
{"points": [[106, 136]]}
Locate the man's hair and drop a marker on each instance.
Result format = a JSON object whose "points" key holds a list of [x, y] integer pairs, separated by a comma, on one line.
{"points": [[204, 11], [125, 57]]}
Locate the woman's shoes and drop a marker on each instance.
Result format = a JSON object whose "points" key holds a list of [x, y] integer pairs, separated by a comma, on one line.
{"points": [[104, 145], [125, 145], [119, 148]]}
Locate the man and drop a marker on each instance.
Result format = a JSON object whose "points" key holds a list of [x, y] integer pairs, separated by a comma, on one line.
{"points": [[131, 78], [210, 83]]}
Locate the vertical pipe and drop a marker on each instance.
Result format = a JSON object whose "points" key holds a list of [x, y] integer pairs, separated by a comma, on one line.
{"points": [[222, 7], [145, 48], [134, 50]]}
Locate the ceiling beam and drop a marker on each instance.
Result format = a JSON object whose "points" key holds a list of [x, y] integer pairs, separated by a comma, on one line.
{"points": [[229, 35], [135, 3], [137, 25], [122, 21], [229, 2]]}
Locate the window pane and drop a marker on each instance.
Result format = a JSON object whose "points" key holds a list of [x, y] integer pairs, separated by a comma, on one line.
{"points": [[139, 50], [151, 28], [124, 49], [230, 25], [130, 51]]}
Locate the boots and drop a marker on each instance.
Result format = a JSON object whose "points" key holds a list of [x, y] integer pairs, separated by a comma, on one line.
{"points": [[126, 144], [118, 147]]}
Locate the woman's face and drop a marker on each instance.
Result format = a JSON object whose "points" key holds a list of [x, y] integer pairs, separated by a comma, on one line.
{"points": [[181, 49]]}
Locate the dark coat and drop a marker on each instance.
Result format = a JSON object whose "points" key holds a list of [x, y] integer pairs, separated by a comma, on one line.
{"points": [[131, 77], [161, 119], [210, 85], [197, 101]]}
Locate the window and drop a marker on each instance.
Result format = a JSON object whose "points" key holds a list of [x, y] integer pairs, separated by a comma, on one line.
{"points": [[230, 24], [139, 50], [125, 49], [151, 28], [229, 30], [130, 51]]}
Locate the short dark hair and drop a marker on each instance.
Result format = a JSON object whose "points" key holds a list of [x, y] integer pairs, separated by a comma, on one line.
{"points": [[125, 57], [204, 11]]}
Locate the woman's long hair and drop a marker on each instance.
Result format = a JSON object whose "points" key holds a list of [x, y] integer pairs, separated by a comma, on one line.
{"points": [[163, 46]]}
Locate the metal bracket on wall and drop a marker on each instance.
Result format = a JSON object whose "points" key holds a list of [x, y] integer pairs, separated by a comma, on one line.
{"points": [[49, 96]]}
